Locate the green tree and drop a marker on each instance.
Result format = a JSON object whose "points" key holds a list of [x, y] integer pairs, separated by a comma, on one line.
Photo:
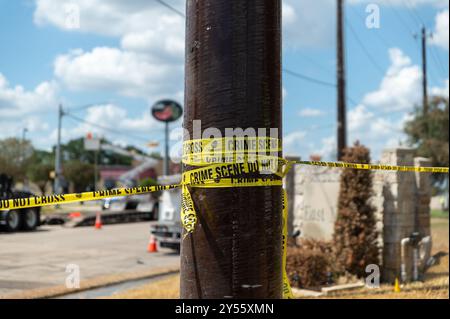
{"points": [[42, 163], [80, 174], [430, 133], [355, 235], [15, 157], [74, 150]]}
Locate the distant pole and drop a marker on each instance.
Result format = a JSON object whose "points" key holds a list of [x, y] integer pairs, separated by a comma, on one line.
{"points": [[341, 96], [166, 151], [24, 133], [233, 80], [96, 169], [424, 71], [57, 184], [22, 155]]}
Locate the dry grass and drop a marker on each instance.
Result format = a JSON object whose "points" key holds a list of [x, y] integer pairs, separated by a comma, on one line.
{"points": [[167, 288], [436, 284]]}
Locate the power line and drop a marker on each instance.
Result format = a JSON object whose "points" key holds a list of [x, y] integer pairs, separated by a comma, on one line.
{"points": [[363, 47], [382, 40], [308, 78], [171, 8], [317, 64], [438, 61], [118, 132], [316, 81], [413, 13], [400, 18], [293, 73], [84, 107], [417, 17]]}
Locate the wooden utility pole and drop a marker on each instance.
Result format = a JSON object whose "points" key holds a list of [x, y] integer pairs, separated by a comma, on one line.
{"points": [[233, 79], [424, 71], [341, 95]]}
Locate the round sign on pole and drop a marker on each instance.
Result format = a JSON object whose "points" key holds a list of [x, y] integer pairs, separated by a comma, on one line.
{"points": [[167, 111]]}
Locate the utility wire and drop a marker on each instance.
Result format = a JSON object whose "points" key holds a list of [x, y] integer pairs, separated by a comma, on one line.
{"points": [[438, 65], [316, 81], [438, 61], [292, 73], [308, 78], [413, 13], [84, 107], [363, 47], [165, 4], [112, 130], [316, 63], [380, 38], [400, 18]]}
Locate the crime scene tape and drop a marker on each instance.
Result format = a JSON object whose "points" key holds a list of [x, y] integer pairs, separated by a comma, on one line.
{"points": [[221, 163], [39, 201], [382, 167]]}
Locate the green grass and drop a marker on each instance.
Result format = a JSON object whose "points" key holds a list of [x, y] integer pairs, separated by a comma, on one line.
{"points": [[437, 213]]}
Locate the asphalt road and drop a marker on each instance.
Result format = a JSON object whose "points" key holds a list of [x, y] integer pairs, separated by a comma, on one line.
{"points": [[39, 259]]}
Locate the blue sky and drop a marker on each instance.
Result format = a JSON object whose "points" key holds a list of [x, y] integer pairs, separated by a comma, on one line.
{"points": [[125, 55]]}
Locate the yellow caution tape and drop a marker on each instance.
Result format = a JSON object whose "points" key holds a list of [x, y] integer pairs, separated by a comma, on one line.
{"points": [[38, 201], [223, 163], [382, 167], [287, 291], [188, 214], [204, 152], [232, 144]]}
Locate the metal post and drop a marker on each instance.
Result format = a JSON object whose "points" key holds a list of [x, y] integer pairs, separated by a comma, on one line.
{"points": [[166, 150], [22, 148], [96, 170], [341, 95], [233, 79], [424, 71], [57, 183]]}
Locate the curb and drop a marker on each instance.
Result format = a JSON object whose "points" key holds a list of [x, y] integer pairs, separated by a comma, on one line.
{"points": [[88, 284]]}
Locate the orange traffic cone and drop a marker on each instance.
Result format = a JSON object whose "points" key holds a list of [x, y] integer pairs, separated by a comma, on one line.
{"points": [[152, 247], [98, 221]]}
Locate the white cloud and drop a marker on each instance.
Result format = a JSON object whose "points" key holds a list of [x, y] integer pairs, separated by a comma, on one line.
{"points": [[403, 3], [116, 117], [149, 62], [312, 24], [441, 91], [292, 143], [134, 129], [375, 131], [440, 35], [328, 150], [310, 112], [111, 18], [300, 23], [400, 88], [125, 72], [16, 102], [21, 108]]}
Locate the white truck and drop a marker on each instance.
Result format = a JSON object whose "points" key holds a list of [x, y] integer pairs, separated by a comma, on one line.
{"points": [[140, 203], [167, 230]]}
